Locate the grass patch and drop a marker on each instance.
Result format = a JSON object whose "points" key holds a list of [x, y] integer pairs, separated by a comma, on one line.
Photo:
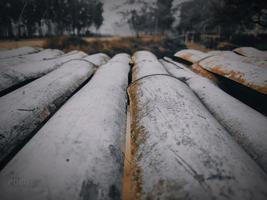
{"points": [[159, 45], [65, 42], [236, 40]]}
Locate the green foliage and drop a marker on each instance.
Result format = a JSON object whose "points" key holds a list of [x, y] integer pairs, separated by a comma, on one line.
{"points": [[195, 15], [259, 41], [68, 15], [163, 13], [151, 18], [223, 16], [244, 13]]}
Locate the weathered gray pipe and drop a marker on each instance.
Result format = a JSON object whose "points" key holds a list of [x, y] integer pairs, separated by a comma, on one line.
{"points": [[246, 125], [252, 52], [76, 155], [15, 75], [18, 52], [182, 152], [249, 75], [98, 59], [39, 56], [230, 55], [148, 64], [23, 110]]}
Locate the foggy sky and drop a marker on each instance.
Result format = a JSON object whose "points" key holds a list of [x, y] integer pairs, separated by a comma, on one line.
{"points": [[114, 23]]}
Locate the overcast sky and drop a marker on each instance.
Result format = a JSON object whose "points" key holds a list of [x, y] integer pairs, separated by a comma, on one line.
{"points": [[114, 23]]}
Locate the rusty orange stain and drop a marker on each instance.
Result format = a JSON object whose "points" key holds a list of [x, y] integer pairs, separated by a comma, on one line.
{"points": [[136, 134], [187, 57], [203, 72], [126, 194], [132, 182], [238, 77]]}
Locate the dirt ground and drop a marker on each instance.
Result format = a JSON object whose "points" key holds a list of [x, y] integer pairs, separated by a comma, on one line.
{"points": [[11, 44], [159, 45], [196, 46]]}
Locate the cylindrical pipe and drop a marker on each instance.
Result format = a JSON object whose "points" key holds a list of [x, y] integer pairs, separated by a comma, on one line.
{"points": [[246, 74], [98, 59], [191, 55], [252, 52], [76, 155], [148, 64], [246, 125], [181, 151], [25, 109], [15, 75], [18, 52], [42, 55]]}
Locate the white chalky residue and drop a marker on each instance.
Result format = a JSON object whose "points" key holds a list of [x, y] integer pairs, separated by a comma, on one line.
{"points": [[76, 155]]}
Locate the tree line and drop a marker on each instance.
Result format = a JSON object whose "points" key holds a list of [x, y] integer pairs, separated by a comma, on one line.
{"points": [[150, 17], [28, 18], [223, 16]]}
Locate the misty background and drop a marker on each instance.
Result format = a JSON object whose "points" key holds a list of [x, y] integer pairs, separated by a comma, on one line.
{"points": [[28, 18], [167, 25]]}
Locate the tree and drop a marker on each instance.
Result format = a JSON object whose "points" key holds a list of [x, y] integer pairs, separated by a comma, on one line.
{"points": [[68, 15], [228, 16], [164, 17], [5, 19], [142, 21], [147, 17], [97, 14], [243, 12], [196, 16]]}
